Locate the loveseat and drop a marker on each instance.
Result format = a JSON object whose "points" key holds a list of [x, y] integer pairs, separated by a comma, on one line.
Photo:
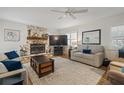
{"points": [[95, 58]]}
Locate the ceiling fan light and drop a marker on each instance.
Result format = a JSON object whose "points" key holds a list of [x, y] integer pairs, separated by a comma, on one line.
{"points": [[70, 12]]}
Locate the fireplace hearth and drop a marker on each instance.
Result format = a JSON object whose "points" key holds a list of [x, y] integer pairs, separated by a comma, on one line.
{"points": [[37, 48]]}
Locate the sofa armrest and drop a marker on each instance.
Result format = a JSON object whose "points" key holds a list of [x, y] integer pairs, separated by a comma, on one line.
{"points": [[99, 54], [116, 77], [114, 73], [11, 73], [99, 57], [74, 50]]}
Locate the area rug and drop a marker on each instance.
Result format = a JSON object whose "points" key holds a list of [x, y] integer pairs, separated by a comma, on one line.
{"points": [[67, 72]]}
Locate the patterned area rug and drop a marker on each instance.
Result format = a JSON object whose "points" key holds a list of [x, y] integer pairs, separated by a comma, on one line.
{"points": [[67, 72]]}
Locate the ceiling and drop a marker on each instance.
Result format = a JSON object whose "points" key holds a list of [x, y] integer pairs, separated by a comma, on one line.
{"points": [[42, 16]]}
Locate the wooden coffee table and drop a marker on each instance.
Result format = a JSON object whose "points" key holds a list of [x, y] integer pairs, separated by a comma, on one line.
{"points": [[42, 65]]}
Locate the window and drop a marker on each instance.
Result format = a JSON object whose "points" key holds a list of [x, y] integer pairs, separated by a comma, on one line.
{"points": [[72, 39], [117, 34]]}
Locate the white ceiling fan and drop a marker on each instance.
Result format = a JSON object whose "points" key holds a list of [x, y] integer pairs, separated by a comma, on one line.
{"points": [[70, 12]]}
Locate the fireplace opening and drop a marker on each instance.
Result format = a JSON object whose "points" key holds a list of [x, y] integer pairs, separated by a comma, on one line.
{"points": [[37, 48]]}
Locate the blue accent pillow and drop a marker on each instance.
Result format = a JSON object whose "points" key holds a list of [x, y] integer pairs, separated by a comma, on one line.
{"points": [[122, 69], [121, 53], [11, 54], [87, 51], [12, 65]]}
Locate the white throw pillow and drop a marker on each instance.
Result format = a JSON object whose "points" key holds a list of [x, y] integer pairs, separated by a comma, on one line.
{"points": [[3, 57], [2, 68]]}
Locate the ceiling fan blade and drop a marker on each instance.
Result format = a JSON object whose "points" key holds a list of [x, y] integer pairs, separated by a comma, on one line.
{"points": [[58, 11], [72, 16], [61, 17], [80, 11]]}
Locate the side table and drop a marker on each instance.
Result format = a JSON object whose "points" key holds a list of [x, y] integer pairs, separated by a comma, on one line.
{"points": [[69, 53], [106, 62]]}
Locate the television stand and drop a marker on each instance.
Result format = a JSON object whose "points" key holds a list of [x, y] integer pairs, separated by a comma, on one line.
{"points": [[58, 50]]}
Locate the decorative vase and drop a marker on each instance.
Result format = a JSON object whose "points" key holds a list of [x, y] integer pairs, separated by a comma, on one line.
{"points": [[29, 32]]}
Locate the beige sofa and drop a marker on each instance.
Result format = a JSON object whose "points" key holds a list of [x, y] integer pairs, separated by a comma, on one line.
{"points": [[94, 59]]}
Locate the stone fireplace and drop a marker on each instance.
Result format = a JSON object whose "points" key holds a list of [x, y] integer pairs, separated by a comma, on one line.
{"points": [[37, 39], [37, 48]]}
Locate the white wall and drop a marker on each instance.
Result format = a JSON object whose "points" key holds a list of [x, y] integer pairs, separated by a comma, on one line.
{"points": [[10, 45], [103, 24], [53, 31]]}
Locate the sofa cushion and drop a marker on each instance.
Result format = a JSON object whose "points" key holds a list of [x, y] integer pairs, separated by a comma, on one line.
{"points": [[81, 47], [88, 56], [11, 54], [83, 55], [3, 69], [94, 48], [3, 57]]}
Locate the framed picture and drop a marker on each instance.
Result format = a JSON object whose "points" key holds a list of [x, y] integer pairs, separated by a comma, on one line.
{"points": [[11, 35], [92, 37]]}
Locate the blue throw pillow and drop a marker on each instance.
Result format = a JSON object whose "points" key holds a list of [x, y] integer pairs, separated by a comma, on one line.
{"points": [[11, 54], [122, 69], [12, 65], [87, 51], [121, 53]]}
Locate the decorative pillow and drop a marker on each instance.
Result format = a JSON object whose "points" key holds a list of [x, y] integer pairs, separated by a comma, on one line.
{"points": [[122, 69], [3, 57], [121, 53], [12, 65], [3, 69], [87, 51], [11, 54], [96, 48]]}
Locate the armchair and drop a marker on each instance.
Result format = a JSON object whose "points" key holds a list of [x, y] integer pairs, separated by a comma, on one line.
{"points": [[114, 75]]}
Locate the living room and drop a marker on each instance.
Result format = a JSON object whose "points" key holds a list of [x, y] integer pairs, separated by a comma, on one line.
{"points": [[62, 46]]}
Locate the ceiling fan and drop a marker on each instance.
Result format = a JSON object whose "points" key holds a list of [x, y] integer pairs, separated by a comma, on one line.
{"points": [[70, 12]]}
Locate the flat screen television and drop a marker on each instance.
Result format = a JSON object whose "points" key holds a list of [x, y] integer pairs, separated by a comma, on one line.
{"points": [[57, 40]]}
